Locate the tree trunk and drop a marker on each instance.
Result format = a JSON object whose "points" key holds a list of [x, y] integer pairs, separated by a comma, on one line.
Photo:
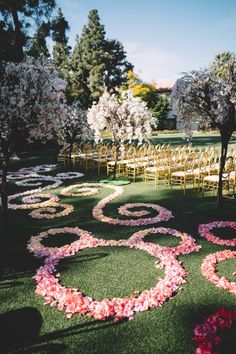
{"points": [[70, 150], [116, 159], [4, 196], [19, 37], [225, 137]]}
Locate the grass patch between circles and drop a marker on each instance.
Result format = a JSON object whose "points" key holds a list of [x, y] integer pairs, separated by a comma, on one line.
{"points": [[107, 272]]}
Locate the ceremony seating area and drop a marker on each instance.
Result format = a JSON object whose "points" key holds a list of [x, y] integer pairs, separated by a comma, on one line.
{"points": [[184, 165]]}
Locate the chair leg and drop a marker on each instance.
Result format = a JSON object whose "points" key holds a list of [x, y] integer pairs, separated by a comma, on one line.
{"points": [[202, 187]]}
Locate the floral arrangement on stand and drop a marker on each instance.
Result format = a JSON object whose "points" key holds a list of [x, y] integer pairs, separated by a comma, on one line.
{"points": [[207, 333]]}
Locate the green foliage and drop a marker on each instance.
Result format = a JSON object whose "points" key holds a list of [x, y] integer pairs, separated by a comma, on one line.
{"points": [[157, 104], [61, 59], [38, 44], [96, 62], [18, 17], [221, 62], [79, 75], [61, 50], [117, 64], [7, 40], [93, 57], [59, 28]]}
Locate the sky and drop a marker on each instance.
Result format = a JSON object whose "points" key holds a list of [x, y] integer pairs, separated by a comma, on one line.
{"points": [[162, 38]]}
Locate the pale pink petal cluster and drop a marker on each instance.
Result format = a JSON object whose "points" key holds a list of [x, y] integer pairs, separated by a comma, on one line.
{"points": [[209, 269], [186, 246], [80, 190], [69, 175], [207, 334], [74, 302], [37, 169], [205, 231], [32, 199], [50, 212], [86, 189], [164, 214], [29, 201]]}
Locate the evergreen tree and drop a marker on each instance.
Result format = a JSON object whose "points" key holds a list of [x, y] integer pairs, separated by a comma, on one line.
{"points": [[38, 43], [61, 50], [93, 55], [18, 16], [96, 62], [117, 65], [7, 40], [79, 75]]}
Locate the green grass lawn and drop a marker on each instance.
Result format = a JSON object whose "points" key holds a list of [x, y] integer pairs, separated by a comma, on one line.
{"points": [[27, 326]]}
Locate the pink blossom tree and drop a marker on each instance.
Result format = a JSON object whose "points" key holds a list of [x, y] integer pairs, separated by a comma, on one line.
{"points": [[125, 116], [74, 127], [208, 96], [31, 100]]}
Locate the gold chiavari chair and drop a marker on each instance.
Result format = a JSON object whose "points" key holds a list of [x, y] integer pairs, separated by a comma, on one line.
{"points": [[201, 171], [102, 158], [86, 156], [63, 155], [113, 161], [211, 182], [187, 175], [135, 167]]}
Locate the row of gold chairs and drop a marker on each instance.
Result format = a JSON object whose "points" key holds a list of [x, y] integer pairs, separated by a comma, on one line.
{"points": [[211, 182], [100, 156], [176, 166]]}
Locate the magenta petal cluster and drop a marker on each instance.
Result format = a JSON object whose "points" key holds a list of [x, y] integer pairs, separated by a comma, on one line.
{"points": [[207, 333], [205, 231], [72, 301]]}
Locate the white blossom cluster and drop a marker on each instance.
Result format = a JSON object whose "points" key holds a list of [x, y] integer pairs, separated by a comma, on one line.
{"points": [[125, 116], [31, 100], [208, 96], [73, 126]]}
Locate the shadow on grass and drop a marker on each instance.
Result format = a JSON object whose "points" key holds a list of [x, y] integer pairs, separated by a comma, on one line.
{"points": [[83, 258], [19, 328], [20, 332], [203, 140], [9, 284]]}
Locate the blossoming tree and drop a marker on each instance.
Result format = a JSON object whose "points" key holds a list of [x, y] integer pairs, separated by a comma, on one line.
{"points": [[208, 96], [125, 116], [74, 126], [32, 102]]}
